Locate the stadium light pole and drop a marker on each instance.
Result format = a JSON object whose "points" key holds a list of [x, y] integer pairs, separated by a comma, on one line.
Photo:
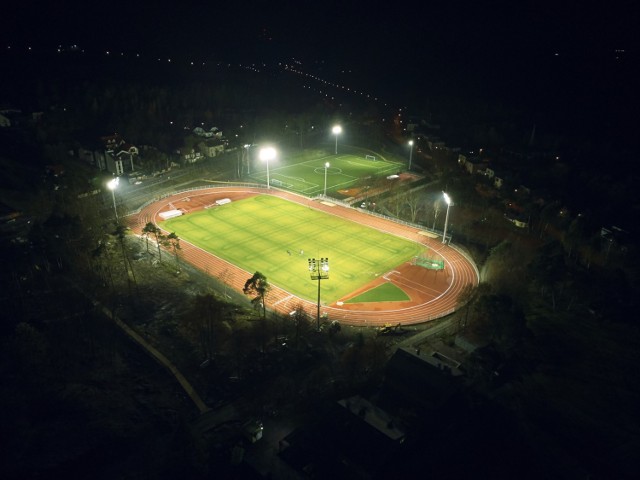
{"points": [[326, 166], [410, 152], [248, 146], [266, 154], [337, 130], [448, 201], [112, 185], [319, 270]]}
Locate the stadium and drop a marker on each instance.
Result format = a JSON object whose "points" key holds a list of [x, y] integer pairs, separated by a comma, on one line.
{"points": [[381, 271]]}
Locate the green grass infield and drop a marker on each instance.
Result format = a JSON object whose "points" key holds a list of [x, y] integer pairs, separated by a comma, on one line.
{"points": [[387, 292], [277, 237], [305, 171]]}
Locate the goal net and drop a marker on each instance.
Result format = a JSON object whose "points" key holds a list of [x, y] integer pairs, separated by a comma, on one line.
{"points": [[370, 157]]}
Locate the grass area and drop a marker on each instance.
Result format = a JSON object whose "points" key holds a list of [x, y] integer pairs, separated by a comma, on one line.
{"points": [[387, 292], [305, 172], [268, 234]]}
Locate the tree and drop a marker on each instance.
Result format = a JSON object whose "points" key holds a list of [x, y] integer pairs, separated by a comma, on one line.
{"points": [[151, 228], [174, 241], [258, 286], [413, 199], [437, 206], [300, 321], [146, 231]]}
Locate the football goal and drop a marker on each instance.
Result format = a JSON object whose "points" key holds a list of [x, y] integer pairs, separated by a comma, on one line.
{"points": [[370, 157]]}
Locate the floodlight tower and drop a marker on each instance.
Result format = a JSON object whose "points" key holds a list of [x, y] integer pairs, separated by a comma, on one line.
{"points": [[410, 152], [337, 130], [112, 185], [448, 201], [319, 270], [248, 146], [326, 166], [266, 154]]}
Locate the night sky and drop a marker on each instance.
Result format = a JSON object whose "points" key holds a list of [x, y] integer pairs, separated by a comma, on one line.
{"points": [[545, 56]]}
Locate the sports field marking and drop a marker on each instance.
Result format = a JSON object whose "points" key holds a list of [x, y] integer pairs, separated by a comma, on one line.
{"points": [[297, 179], [257, 233]]}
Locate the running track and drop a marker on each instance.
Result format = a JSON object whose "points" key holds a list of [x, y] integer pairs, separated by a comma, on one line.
{"points": [[459, 269]]}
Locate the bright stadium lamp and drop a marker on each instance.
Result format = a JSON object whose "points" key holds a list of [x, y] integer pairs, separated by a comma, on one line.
{"points": [[266, 154], [337, 130], [112, 185]]}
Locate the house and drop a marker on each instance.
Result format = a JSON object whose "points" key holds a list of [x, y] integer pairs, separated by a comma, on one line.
{"points": [[211, 148], [489, 172], [473, 165], [126, 151], [352, 439], [116, 157], [111, 142], [422, 379], [113, 164], [190, 155]]}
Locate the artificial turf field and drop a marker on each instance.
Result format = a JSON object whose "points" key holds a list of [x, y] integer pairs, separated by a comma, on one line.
{"points": [[267, 234], [304, 172]]}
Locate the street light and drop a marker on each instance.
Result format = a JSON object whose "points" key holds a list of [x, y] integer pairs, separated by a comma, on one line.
{"points": [[326, 166], [266, 154], [112, 185], [319, 270], [448, 201], [410, 152], [337, 130]]}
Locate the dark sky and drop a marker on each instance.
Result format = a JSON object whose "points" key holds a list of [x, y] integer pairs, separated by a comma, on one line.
{"points": [[445, 26], [504, 48]]}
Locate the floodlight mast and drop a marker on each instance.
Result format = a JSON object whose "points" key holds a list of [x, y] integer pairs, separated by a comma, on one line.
{"points": [[248, 146], [448, 201], [112, 185], [410, 152], [266, 154], [326, 166], [337, 130], [319, 270]]}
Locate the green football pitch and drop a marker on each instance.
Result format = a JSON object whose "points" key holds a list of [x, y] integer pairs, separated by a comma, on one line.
{"points": [[277, 237], [305, 172]]}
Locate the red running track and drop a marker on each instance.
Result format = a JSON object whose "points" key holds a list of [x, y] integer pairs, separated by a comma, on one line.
{"points": [[460, 271]]}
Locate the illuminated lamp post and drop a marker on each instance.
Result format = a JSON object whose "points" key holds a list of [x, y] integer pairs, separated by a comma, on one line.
{"points": [[266, 154], [326, 166], [248, 146], [319, 270], [448, 201], [112, 185], [410, 152], [337, 130]]}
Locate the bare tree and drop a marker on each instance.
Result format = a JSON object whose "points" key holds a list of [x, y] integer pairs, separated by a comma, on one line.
{"points": [[413, 199], [437, 206]]}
